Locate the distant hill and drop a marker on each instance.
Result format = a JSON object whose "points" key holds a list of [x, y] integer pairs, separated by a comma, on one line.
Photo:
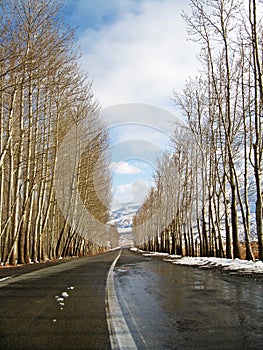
{"points": [[123, 216]]}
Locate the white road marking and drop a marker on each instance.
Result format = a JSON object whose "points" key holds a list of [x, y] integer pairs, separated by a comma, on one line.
{"points": [[139, 334], [120, 336]]}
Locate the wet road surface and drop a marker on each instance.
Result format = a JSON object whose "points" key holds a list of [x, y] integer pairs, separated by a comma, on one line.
{"points": [[164, 306], [174, 307], [31, 317]]}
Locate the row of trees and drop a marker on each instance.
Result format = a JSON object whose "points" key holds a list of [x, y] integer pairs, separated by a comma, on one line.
{"points": [[44, 100], [208, 194]]}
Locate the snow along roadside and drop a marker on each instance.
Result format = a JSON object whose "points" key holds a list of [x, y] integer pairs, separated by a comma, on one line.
{"points": [[120, 336], [234, 265]]}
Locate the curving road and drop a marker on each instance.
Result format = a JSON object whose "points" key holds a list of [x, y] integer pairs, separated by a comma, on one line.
{"points": [[122, 300]]}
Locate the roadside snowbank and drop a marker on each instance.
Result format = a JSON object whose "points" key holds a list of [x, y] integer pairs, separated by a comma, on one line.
{"points": [[235, 265], [225, 264]]}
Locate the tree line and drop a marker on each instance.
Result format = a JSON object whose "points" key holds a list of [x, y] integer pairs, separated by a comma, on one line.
{"points": [[43, 97], [207, 196]]}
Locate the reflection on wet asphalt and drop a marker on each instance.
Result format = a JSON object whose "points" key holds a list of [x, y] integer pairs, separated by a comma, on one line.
{"points": [[174, 307]]}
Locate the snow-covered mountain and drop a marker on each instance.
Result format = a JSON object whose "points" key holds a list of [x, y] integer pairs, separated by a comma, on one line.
{"points": [[123, 216]]}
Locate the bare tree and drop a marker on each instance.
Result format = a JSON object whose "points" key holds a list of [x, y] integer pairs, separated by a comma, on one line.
{"points": [[256, 41], [42, 97]]}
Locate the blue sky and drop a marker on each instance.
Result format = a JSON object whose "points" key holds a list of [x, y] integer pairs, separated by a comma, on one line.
{"points": [[136, 53]]}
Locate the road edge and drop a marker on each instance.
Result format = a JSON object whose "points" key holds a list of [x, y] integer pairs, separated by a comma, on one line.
{"points": [[120, 336]]}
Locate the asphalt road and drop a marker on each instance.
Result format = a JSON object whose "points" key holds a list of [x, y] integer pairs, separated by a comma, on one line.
{"points": [[174, 307], [31, 317], [151, 304]]}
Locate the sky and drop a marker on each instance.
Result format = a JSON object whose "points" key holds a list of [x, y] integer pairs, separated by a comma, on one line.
{"points": [[137, 53]]}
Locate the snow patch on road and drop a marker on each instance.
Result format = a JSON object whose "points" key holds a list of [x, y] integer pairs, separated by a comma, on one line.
{"points": [[134, 249], [155, 254], [61, 298]]}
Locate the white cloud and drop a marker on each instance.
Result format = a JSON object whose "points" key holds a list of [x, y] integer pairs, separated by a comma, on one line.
{"points": [[142, 55], [135, 51], [141, 132], [138, 131], [131, 192], [125, 168]]}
